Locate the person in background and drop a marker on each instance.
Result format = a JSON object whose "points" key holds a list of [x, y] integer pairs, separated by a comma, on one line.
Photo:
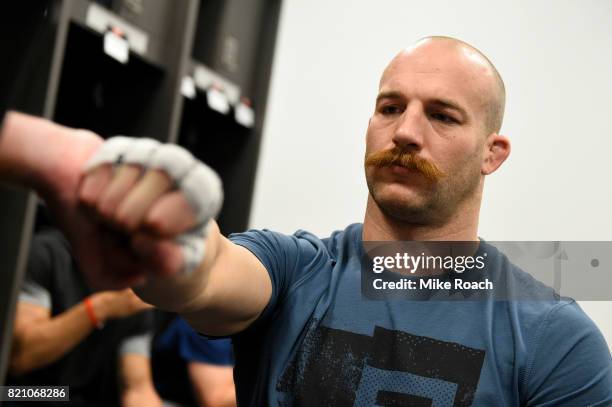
{"points": [[59, 337], [98, 343], [191, 369]]}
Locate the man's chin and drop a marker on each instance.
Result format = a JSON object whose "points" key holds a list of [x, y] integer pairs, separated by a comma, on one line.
{"points": [[406, 207], [403, 194]]}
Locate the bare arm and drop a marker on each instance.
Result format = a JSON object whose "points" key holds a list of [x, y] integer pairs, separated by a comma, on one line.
{"points": [[40, 339], [137, 382], [213, 385], [21, 138], [224, 296]]}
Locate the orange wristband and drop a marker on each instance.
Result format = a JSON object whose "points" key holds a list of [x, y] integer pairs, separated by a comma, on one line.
{"points": [[91, 314]]}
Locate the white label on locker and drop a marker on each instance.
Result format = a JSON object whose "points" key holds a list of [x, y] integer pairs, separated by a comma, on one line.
{"points": [[116, 47], [217, 101], [188, 87], [99, 19], [204, 78], [245, 115]]}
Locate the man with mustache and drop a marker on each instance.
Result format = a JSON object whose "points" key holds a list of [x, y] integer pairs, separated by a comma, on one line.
{"points": [[303, 333]]}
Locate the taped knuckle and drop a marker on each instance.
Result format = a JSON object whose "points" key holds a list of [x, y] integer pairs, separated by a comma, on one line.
{"points": [[111, 152], [203, 190], [141, 152], [192, 248], [174, 160], [200, 185]]}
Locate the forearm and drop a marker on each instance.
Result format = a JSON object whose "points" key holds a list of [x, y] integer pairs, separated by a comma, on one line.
{"points": [[47, 341], [20, 145], [140, 396], [222, 296], [137, 382], [224, 397], [213, 385], [32, 150], [220, 396]]}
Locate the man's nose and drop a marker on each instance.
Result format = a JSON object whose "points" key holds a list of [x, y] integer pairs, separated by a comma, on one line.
{"points": [[410, 130]]}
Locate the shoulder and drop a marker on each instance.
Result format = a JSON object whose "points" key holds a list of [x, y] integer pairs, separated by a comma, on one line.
{"points": [[564, 319], [537, 308], [49, 250], [563, 351], [513, 283], [50, 242], [569, 358], [346, 241]]}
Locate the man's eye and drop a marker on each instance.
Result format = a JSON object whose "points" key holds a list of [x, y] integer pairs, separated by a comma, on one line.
{"points": [[444, 118], [390, 109]]}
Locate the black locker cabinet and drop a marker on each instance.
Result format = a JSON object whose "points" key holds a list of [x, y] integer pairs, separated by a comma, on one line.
{"points": [[140, 97], [234, 42], [78, 85]]}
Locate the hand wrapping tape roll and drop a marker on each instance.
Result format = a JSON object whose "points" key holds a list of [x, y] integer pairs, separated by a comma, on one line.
{"points": [[199, 183]]}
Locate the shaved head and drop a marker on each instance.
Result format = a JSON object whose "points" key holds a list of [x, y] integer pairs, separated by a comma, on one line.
{"points": [[434, 133], [492, 92]]}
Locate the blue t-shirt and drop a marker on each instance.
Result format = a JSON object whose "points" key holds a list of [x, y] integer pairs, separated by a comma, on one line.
{"points": [[190, 346], [318, 342]]}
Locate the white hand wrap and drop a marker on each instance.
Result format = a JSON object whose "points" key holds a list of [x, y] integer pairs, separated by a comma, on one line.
{"points": [[200, 185]]}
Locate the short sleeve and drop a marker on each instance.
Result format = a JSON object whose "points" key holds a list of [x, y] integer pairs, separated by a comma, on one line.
{"points": [[37, 287], [36, 294], [193, 347], [572, 363], [181, 339], [287, 258], [137, 325], [137, 345], [196, 348]]}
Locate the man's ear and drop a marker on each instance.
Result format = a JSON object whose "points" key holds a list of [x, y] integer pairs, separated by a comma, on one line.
{"points": [[497, 149]]}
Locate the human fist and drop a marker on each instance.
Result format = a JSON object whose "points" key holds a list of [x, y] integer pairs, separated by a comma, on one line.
{"points": [[138, 209], [156, 197]]}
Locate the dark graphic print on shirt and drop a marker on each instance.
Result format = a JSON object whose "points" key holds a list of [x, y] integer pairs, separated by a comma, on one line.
{"points": [[390, 368]]}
